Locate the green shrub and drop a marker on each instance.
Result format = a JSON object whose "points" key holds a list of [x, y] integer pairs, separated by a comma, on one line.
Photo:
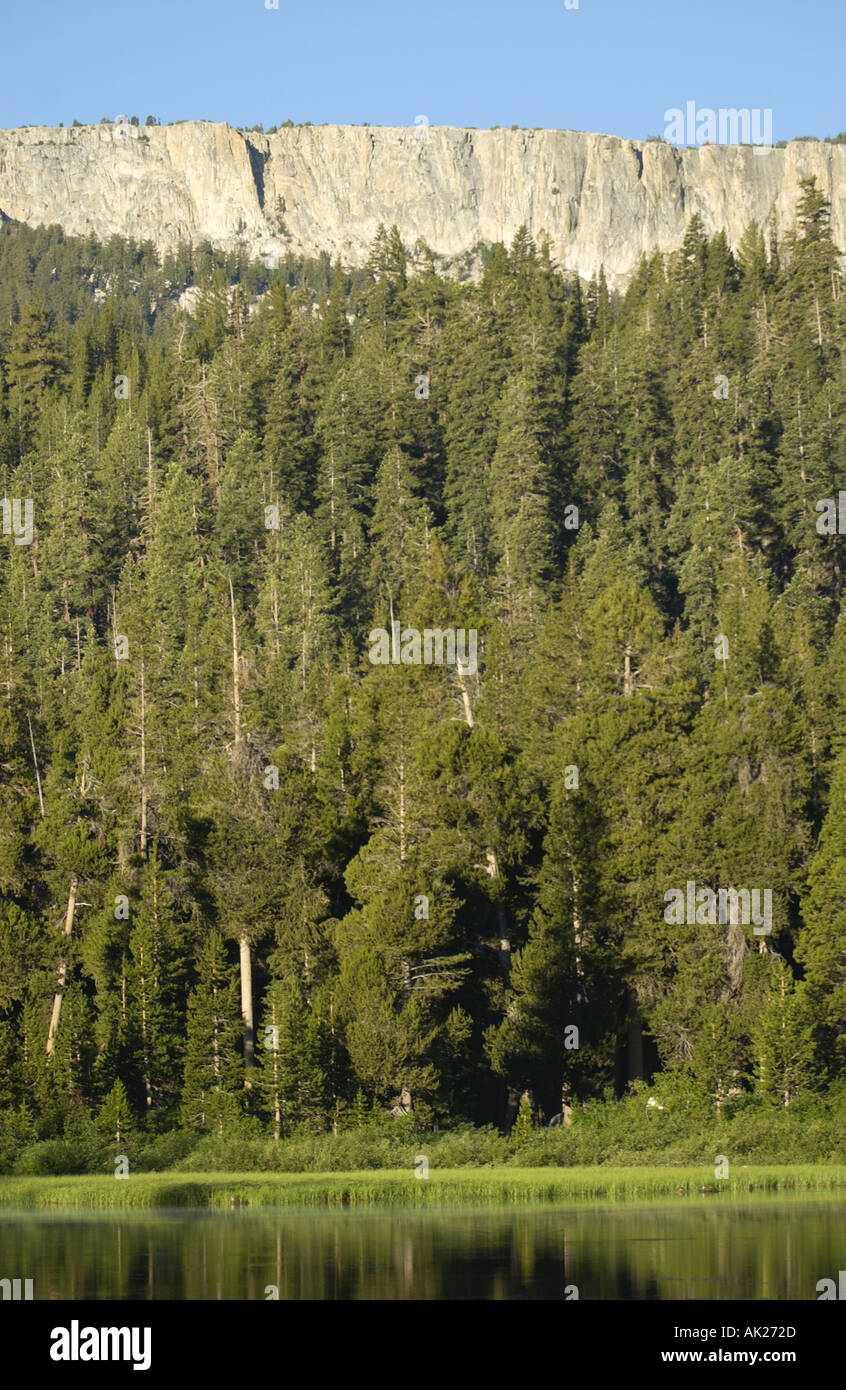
{"points": [[53, 1158], [17, 1130], [164, 1151], [466, 1147]]}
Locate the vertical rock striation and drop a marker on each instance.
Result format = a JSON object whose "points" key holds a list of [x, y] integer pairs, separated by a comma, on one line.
{"points": [[602, 200]]}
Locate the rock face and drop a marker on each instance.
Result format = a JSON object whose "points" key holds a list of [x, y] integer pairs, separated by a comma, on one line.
{"points": [[601, 199]]}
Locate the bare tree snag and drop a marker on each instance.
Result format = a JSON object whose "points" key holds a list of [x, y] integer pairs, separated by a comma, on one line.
{"points": [[35, 764], [63, 973], [143, 693], [491, 864], [236, 661], [247, 1005]]}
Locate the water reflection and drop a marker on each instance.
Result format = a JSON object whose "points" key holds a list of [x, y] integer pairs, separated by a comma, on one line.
{"points": [[767, 1250]]}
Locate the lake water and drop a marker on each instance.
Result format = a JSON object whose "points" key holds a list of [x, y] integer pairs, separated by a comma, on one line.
{"points": [[770, 1249]]}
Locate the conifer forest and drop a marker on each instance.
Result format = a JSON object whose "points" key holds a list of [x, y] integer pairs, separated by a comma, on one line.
{"points": [[422, 692]]}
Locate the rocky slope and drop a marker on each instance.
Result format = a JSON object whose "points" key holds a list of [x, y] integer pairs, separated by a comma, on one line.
{"points": [[601, 199]]}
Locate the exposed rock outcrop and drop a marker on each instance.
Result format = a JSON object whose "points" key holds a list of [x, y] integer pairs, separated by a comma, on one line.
{"points": [[601, 199]]}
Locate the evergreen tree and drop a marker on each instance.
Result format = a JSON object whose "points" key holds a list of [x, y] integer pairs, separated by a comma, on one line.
{"points": [[212, 1064]]}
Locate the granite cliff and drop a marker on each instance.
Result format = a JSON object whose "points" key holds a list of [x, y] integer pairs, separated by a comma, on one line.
{"points": [[600, 198]]}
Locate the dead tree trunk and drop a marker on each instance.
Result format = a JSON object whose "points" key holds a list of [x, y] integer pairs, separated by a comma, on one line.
{"points": [[247, 1005], [491, 863], [143, 692], [35, 764], [236, 675], [56, 1014]]}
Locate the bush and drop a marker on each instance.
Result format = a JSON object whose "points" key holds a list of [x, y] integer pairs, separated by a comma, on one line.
{"points": [[52, 1158], [544, 1148], [682, 1127], [18, 1129], [466, 1147], [226, 1153], [164, 1151]]}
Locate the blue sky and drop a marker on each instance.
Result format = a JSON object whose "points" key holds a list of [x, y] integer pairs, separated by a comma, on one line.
{"points": [[610, 65]]}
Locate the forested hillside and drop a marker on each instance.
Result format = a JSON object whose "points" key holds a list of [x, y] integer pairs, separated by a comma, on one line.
{"points": [[250, 876]]}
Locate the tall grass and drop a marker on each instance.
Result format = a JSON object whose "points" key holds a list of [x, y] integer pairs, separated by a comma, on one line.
{"points": [[401, 1188]]}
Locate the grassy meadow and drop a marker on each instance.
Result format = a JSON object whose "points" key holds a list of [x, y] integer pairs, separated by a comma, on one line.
{"points": [[402, 1188]]}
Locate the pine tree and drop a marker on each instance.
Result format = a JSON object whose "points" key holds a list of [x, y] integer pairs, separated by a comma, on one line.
{"points": [[212, 1064], [820, 951], [154, 975], [524, 1124], [114, 1118]]}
